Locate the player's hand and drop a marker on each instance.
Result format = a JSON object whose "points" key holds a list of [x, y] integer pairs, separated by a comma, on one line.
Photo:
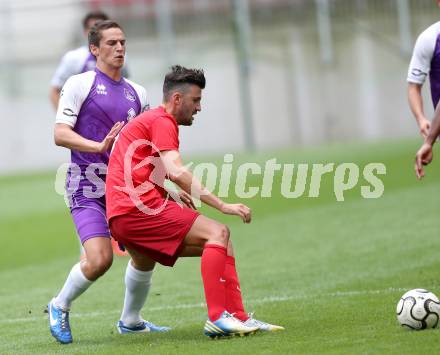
{"points": [[238, 209], [187, 199], [423, 157], [182, 197], [424, 127], [108, 141]]}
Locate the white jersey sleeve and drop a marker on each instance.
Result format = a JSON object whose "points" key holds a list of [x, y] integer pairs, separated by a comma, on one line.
{"points": [[71, 64], [422, 55], [73, 95], [142, 93]]}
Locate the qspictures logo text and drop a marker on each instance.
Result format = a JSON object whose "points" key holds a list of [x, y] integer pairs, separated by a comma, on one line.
{"points": [[244, 180]]}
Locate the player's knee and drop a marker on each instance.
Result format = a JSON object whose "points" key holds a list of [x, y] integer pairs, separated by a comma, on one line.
{"points": [[143, 263], [100, 264], [221, 234]]}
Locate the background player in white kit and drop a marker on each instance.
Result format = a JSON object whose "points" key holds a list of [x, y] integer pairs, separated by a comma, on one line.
{"points": [[75, 61]]}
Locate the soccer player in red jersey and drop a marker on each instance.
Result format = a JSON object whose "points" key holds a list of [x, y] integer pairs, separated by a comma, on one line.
{"points": [[154, 228]]}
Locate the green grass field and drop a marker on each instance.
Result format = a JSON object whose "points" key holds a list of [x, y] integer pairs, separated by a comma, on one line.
{"points": [[330, 272]]}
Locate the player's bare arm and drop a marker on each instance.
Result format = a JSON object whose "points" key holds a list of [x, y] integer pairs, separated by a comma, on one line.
{"points": [[65, 136], [416, 104], [184, 178], [424, 155], [54, 96], [181, 197], [187, 199]]}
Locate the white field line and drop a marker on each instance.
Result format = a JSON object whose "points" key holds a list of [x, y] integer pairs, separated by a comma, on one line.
{"points": [[270, 299]]}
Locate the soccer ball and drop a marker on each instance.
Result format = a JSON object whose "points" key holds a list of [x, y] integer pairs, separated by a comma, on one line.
{"points": [[418, 309]]}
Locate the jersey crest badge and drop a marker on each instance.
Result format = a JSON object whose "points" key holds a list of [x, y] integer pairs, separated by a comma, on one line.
{"points": [[131, 113], [129, 95]]}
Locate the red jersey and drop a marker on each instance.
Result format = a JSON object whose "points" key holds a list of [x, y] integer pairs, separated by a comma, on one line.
{"points": [[135, 174]]}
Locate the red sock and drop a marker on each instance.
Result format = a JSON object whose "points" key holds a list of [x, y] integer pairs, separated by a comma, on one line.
{"points": [[213, 265], [234, 302]]}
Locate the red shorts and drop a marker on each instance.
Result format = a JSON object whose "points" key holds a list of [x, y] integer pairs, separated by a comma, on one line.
{"points": [[159, 236]]}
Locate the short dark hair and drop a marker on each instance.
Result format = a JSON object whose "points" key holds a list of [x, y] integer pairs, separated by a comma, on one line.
{"points": [[95, 15], [95, 34], [179, 77]]}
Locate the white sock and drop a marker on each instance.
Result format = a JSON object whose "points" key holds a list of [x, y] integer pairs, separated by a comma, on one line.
{"points": [[137, 285], [74, 286]]}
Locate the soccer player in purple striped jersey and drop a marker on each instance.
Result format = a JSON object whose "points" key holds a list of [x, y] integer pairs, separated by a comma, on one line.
{"points": [[93, 108], [425, 62], [74, 62]]}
